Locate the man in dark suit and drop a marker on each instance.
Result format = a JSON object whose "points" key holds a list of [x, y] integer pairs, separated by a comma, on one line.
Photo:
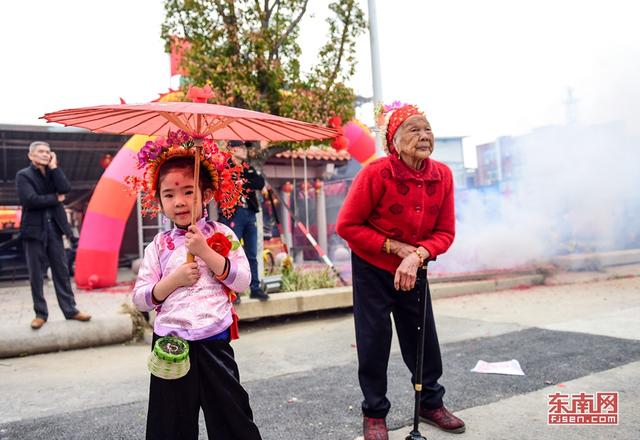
{"points": [[41, 189], [243, 221]]}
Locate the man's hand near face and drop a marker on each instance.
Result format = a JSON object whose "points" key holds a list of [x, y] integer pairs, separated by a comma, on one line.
{"points": [[53, 163]]}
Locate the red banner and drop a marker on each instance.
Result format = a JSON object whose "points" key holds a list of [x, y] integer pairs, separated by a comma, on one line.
{"points": [[178, 47]]}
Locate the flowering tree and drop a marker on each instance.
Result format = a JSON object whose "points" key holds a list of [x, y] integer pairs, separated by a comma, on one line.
{"points": [[247, 51]]}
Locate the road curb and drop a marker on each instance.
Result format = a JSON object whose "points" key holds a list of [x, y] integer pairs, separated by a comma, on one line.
{"points": [[291, 303], [20, 340], [597, 260]]}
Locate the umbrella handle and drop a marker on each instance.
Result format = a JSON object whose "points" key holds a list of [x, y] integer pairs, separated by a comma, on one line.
{"points": [[196, 184]]}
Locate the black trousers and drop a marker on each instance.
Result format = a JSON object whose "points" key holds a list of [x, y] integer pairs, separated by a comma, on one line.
{"points": [[213, 383], [51, 249], [374, 300]]}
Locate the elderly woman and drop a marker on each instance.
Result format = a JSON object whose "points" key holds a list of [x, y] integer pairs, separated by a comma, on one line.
{"points": [[398, 213]]}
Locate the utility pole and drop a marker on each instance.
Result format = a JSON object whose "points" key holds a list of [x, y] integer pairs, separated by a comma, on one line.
{"points": [[375, 67], [571, 107]]}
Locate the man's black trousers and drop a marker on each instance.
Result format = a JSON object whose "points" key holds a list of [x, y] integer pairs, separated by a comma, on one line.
{"points": [[51, 249]]}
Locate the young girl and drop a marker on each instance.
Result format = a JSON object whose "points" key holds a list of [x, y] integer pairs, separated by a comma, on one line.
{"points": [[193, 300]]}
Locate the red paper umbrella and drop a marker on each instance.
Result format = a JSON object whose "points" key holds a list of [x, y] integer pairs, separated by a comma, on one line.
{"points": [[198, 119]]}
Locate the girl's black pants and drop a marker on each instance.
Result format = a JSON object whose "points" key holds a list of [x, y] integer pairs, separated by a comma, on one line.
{"points": [[213, 384]]}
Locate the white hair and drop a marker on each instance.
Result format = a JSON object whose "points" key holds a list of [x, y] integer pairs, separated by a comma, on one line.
{"points": [[396, 136], [36, 144]]}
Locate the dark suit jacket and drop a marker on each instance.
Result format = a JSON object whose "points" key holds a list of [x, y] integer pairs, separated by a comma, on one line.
{"points": [[39, 194]]}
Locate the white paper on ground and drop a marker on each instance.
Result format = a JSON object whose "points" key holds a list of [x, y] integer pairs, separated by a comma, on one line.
{"points": [[511, 367]]}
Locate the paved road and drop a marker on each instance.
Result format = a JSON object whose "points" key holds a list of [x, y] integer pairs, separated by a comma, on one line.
{"points": [[301, 373]]}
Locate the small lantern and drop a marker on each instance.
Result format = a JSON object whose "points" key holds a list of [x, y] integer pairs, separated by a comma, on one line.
{"points": [[340, 143], [105, 161], [335, 121], [287, 187], [318, 184], [304, 186]]}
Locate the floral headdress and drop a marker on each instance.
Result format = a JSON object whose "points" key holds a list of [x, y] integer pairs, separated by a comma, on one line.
{"points": [[389, 118], [227, 177]]}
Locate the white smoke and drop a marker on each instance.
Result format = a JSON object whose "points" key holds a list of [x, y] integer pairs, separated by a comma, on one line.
{"points": [[575, 190]]}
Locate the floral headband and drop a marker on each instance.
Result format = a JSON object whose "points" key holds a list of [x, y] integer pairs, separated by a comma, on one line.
{"points": [[389, 118], [227, 177]]}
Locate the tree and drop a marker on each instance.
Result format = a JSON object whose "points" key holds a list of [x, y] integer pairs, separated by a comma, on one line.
{"points": [[247, 51]]}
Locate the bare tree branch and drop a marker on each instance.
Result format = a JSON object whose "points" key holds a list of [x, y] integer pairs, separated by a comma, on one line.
{"points": [[276, 3], [181, 19], [231, 23], [290, 29], [267, 15], [343, 40]]}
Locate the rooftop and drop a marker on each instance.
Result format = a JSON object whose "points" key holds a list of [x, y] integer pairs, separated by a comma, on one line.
{"points": [[315, 153]]}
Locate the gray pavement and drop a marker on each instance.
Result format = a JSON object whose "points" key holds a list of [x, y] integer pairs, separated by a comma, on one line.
{"points": [[110, 323], [300, 372]]}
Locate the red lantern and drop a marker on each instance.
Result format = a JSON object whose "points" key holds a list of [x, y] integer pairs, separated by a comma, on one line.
{"points": [[105, 161], [335, 122], [318, 184], [340, 143], [287, 187], [304, 186]]}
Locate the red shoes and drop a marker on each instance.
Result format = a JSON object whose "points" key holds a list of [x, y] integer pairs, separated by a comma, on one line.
{"points": [[374, 429], [443, 419]]}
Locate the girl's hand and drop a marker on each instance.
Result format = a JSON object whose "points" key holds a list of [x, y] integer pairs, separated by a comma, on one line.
{"points": [[195, 241], [401, 249], [405, 277], [187, 274]]}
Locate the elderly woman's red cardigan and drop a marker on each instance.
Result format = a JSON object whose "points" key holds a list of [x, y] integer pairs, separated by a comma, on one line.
{"points": [[388, 199]]}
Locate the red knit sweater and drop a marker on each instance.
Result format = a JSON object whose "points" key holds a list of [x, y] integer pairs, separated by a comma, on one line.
{"points": [[388, 199]]}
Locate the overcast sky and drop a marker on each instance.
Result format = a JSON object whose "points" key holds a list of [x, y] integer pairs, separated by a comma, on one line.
{"points": [[478, 68]]}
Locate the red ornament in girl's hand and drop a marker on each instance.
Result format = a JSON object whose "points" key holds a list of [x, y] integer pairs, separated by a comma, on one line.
{"points": [[219, 243]]}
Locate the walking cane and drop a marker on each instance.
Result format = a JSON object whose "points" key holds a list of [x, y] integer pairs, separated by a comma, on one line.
{"points": [[422, 286]]}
